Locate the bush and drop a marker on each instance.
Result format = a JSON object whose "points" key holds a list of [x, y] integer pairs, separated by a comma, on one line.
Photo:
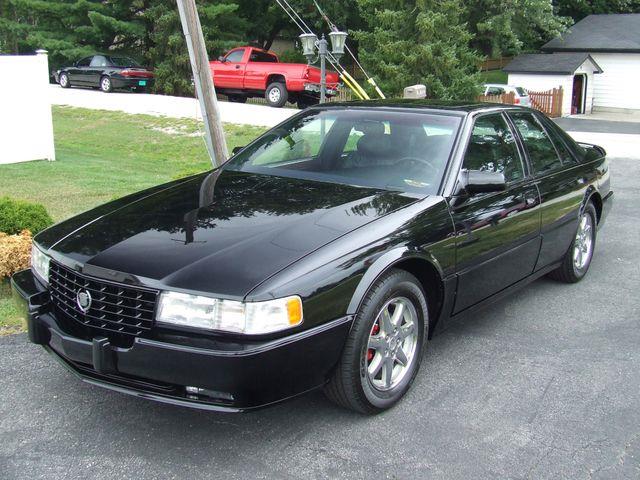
{"points": [[15, 253], [17, 215]]}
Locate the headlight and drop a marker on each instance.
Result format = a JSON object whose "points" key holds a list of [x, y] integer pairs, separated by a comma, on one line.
{"points": [[40, 263], [226, 315]]}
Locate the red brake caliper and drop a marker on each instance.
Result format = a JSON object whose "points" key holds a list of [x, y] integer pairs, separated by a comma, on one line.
{"points": [[371, 352]]}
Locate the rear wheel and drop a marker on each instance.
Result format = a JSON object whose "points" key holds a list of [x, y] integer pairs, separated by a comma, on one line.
{"points": [[276, 94], [383, 351], [64, 80], [106, 85], [577, 260]]}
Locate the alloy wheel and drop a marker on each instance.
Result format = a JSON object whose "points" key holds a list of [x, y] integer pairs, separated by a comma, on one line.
{"points": [[392, 345], [583, 245], [274, 95], [105, 84]]}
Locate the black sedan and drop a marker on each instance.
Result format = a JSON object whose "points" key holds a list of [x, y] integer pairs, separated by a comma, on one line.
{"points": [[324, 254], [107, 73]]}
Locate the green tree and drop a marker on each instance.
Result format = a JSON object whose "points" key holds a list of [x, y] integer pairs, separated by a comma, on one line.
{"points": [[419, 41], [578, 9], [503, 27]]}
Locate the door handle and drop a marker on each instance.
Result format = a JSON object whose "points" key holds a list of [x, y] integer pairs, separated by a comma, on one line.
{"points": [[237, 67], [529, 199]]}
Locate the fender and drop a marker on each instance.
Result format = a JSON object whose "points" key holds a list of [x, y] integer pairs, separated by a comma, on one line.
{"points": [[381, 265]]}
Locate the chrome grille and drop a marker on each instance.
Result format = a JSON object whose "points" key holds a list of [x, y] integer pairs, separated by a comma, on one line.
{"points": [[114, 308]]}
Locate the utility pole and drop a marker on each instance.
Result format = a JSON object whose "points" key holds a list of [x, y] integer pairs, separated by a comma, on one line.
{"points": [[215, 140]]}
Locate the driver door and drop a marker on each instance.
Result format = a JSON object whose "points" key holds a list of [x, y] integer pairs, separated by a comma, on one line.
{"points": [[497, 233]]}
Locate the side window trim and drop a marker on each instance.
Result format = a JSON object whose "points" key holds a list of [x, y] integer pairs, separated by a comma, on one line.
{"points": [[524, 156], [501, 113]]}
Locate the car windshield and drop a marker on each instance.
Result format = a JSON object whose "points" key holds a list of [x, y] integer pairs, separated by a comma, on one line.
{"points": [[124, 62], [392, 150]]}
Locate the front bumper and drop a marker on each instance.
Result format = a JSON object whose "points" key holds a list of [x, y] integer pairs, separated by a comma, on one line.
{"points": [[132, 82], [233, 377]]}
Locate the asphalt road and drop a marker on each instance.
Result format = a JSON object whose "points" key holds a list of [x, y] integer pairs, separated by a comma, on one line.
{"points": [[545, 384]]}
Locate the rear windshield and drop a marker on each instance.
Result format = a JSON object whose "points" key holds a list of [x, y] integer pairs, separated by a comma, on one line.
{"points": [[521, 91], [123, 62], [399, 151]]}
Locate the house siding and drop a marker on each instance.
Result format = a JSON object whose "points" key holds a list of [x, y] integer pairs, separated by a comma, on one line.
{"points": [[617, 86]]}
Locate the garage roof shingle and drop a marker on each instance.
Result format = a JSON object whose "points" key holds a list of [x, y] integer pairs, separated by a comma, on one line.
{"points": [[600, 33], [555, 63]]}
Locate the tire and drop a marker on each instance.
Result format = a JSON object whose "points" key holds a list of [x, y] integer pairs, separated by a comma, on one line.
{"points": [[276, 94], [105, 84], [576, 262], [237, 98], [355, 384], [64, 80]]}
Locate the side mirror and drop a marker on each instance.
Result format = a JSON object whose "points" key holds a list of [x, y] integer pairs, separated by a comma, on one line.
{"points": [[479, 181], [236, 150], [222, 59]]}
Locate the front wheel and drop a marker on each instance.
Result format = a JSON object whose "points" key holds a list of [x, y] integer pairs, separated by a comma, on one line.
{"points": [[276, 95], [106, 85], [577, 260], [64, 80], [383, 351]]}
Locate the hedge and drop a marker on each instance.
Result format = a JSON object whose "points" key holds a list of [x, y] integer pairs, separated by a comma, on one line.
{"points": [[18, 215]]}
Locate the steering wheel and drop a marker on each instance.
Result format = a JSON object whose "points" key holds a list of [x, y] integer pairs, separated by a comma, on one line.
{"points": [[414, 160]]}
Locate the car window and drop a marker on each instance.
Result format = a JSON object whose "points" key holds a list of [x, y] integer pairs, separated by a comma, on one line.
{"points": [[522, 92], [493, 148], [235, 56], [84, 62], [495, 91], [402, 151], [123, 62], [99, 61], [541, 151], [566, 157], [264, 57]]}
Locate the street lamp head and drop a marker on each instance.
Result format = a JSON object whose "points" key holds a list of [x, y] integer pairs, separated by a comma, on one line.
{"points": [[308, 41], [338, 40]]}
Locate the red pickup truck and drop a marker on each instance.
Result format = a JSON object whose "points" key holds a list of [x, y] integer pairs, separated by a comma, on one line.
{"points": [[252, 72]]}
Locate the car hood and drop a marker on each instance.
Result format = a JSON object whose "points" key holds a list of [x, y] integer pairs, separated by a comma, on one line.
{"points": [[222, 232]]}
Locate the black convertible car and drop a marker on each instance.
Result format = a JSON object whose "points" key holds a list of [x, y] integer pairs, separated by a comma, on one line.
{"points": [[324, 254], [106, 72]]}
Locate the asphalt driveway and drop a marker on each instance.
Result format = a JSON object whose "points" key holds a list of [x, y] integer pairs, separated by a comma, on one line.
{"points": [[545, 384]]}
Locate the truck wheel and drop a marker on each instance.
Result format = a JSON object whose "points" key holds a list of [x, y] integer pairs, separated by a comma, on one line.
{"points": [[276, 94], [237, 99]]}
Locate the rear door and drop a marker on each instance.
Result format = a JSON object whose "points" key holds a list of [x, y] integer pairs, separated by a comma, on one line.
{"points": [[562, 181], [498, 233], [230, 73]]}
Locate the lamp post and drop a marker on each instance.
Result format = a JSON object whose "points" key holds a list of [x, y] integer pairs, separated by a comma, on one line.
{"points": [[315, 49]]}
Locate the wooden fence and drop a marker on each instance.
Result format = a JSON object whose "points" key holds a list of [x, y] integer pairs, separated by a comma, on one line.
{"points": [[494, 63], [548, 102]]}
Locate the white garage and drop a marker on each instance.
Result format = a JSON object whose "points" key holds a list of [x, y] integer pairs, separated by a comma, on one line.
{"points": [[613, 41], [575, 73]]}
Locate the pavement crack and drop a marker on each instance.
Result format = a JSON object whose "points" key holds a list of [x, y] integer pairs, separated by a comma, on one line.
{"points": [[544, 394]]}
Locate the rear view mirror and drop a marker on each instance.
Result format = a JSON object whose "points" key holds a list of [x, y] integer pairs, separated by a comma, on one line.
{"points": [[480, 181], [222, 59], [236, 150]]}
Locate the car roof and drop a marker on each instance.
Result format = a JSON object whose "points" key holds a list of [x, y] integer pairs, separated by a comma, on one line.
{"points": [[460, 108]]}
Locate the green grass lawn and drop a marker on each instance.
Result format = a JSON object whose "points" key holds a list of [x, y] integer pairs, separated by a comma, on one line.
{"points": [[494, 76], [104, 155]]}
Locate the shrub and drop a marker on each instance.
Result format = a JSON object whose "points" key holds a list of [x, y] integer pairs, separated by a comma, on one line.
{"points": [[15, 253], [17, 215]]}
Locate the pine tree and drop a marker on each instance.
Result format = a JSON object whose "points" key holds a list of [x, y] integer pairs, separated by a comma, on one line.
{"points": [[419, 41]]}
